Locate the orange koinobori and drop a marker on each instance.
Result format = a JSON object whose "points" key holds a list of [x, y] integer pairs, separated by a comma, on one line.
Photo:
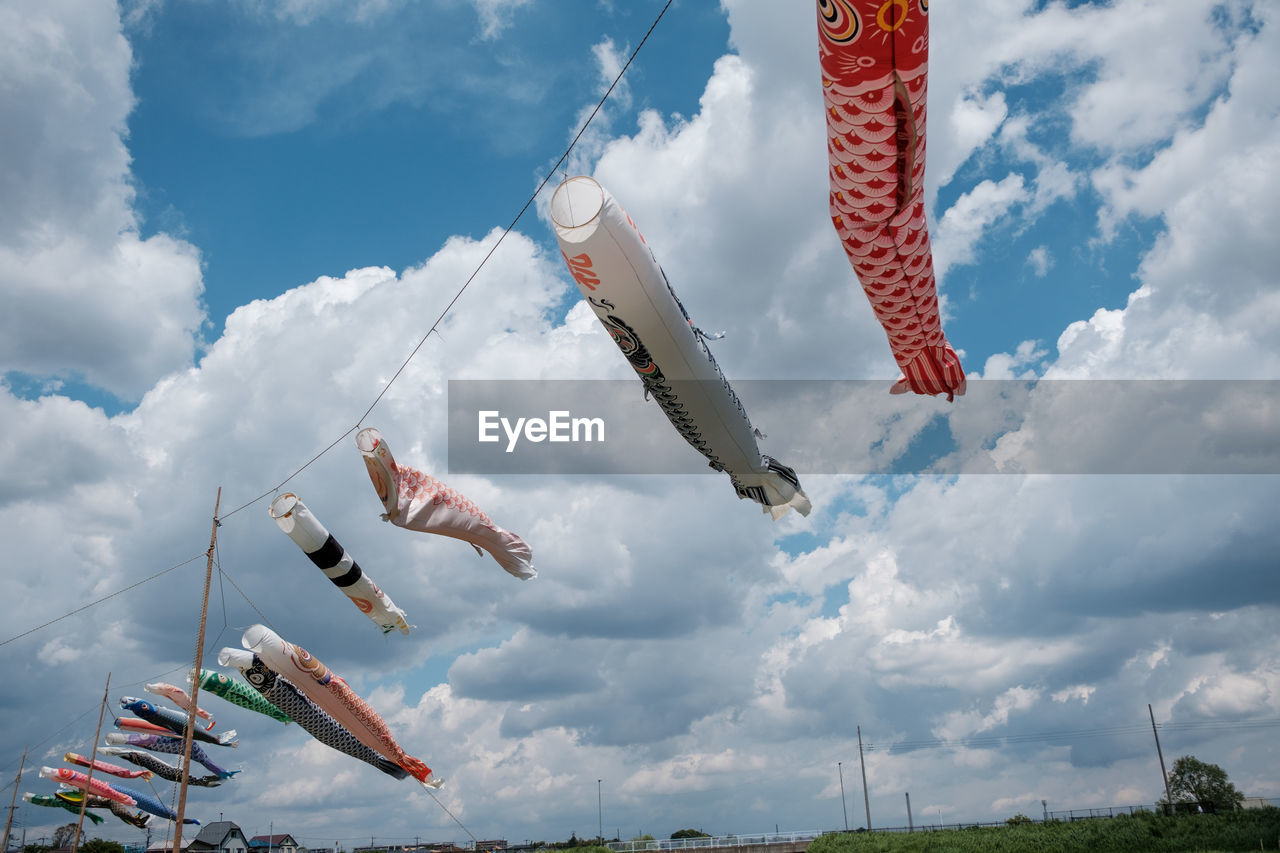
{"points": [[330, 692]]}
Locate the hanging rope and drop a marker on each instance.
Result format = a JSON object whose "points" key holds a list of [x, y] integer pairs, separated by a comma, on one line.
{"points": [[451, 814], [434, 329]]}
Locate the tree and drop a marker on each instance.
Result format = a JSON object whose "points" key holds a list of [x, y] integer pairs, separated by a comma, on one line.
{"points": [[1194, 781], [62, 835], [689, 833], [99, 845]]}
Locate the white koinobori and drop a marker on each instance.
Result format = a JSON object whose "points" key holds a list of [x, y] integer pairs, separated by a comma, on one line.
{"points": [[293, 517], [621, 280]]}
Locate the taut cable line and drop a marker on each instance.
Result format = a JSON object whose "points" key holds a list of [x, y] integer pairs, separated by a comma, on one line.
{"points": [[492, 249]]}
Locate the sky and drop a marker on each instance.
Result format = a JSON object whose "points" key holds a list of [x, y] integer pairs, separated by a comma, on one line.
{"points": [[227, 225]]}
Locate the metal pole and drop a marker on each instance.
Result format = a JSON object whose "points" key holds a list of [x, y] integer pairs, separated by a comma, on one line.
{"points": [[866, 799], [599, 814], [84, 801], [16, 779], [842, 806], [195, 685], [1163, 775], [911, 827]]}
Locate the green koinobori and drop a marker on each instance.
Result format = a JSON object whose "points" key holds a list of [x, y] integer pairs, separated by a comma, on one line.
{"points": [[239, 694]]}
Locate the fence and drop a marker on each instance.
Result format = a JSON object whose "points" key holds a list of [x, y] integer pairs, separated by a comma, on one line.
{"points": [[712, 841]]}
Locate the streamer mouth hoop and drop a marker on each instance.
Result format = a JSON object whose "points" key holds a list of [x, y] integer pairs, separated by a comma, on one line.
{"points": [[577, 202], [283, 505], [368, 439]]}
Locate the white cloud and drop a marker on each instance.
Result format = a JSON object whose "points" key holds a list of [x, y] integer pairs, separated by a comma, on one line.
{"points": [[1020, 365], [1040, 260], [961, 724], [965, 222], [1076, 692], [676, 640], [1227, 695], [86, 296], [495, 15]]}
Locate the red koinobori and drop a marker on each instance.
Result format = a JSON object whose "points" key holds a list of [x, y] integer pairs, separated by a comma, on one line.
{"points": [[875, 61]]}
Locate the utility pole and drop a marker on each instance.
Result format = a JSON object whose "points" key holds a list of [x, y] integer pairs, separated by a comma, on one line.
{"points": [[1163, 774], [866, 799], [842, 805], [9, 822], [911, 827], [189, 732], [599, 814]]}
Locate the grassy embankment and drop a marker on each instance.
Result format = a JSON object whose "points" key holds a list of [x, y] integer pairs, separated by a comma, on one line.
{"points": [[1249, 829]]}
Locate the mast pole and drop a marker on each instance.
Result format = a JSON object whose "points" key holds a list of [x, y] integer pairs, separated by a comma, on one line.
{"points": [[16, 779], [84, 801], [188, 735]]}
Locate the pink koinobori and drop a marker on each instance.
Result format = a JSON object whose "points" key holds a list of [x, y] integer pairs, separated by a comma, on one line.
{"points": [[417, 501]]}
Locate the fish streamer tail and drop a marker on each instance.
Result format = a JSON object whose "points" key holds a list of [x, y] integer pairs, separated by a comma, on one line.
{"points": [[228, 738]]}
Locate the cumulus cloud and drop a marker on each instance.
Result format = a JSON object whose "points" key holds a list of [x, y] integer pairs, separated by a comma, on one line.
{"points": [[87, 297], [676, 642], [965, 222]]}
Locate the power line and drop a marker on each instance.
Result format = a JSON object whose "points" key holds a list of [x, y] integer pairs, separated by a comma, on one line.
{"points": [[100, 600], [979, 741]]}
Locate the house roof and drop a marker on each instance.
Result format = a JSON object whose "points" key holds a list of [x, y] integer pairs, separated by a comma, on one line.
{"points": [[216, 832], [168, 844], [277, 840]]}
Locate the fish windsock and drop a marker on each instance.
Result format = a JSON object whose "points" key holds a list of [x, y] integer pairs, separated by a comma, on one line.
{"points": [[76, 779], [58, 803], [304, 712], [621, 280], [306, 531], [104, 767], [72, 800], [239, 694], [875, 63], [328, 690], [168, 744], [136, 725], [148, 803], [417, 501], [179, 697], [163, 769], [174, 721]]}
